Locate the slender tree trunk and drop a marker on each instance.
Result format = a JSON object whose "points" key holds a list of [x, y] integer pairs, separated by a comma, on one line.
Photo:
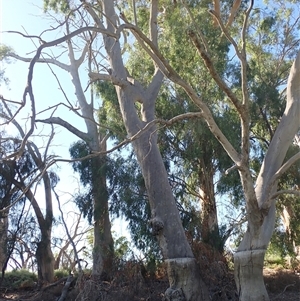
{"points": [[209, 219], [45, 259], [44, 255], [103, 242], [3, 239], [287, 215], [103, 251]]}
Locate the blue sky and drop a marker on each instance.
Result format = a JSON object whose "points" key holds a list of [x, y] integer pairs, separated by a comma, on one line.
{"points": [[29, 17]]}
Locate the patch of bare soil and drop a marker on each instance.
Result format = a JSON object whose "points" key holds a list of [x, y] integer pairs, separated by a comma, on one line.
{"points": [[281, 285]]}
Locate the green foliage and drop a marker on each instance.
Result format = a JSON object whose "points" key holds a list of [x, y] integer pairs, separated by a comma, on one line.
{"points": [[19, 279], [61, 273], [275, 253], [128, 198], [4, 51], [57, 5], [122, 248], [109, 114]]}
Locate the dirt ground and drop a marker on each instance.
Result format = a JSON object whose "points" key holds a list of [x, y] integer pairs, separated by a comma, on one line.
{"points": [[281, 284]]}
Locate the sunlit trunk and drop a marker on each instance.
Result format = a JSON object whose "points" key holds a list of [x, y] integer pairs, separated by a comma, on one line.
{"points": [[249, 258]]}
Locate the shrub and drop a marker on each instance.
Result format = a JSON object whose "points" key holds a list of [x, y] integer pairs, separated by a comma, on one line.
{"points": [[19, 279], [61, 273]]}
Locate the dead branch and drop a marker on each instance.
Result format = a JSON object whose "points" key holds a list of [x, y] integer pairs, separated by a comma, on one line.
{"points": [[69, 237], [289, 285], [66, 288], [54, 283]]}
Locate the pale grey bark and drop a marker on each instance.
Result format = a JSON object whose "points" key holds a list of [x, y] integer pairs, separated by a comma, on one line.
{"points": [[261, 216]]}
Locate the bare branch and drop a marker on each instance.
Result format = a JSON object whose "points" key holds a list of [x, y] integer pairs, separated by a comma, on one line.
{"points": [[286, 191], [217, 11], [67, 231], [66, 125], [153, 22], [134, 12], [42, 60], [27, 36], [102, 76], [285, 167], [211, 68]]}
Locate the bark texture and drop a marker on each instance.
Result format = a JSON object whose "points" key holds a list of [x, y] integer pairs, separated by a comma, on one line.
{"points": [[103, 251], [3, 239], [186, 287], [45, 260], [249, 275], [209, 219]]}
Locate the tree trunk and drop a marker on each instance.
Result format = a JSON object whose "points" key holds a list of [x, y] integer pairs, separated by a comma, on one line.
{"points": [[3, 239], [249, 258], [287, 214], [45, 260], [209, 220], [248, 266], [183, 271], [103, 250], [103, 241]]}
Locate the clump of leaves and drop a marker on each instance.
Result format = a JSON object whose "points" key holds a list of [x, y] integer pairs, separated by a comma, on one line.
{"points": [[19, 279], [61, 273]]}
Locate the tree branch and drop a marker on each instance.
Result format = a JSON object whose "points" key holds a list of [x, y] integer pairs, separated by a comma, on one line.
{"points": [[66, 125], [67, 231], [285, 167], [174, 76], [286, 191], [41, 60]]}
